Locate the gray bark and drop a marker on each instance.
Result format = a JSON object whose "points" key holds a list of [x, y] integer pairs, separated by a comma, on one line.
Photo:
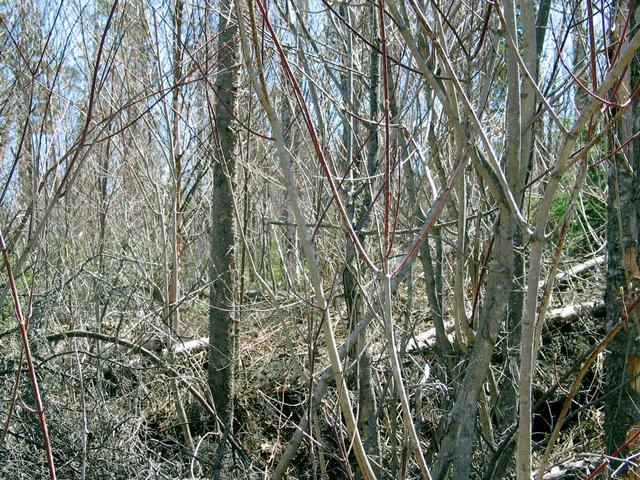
{"points": [[622, 365], [222, 327], [462, 422]]}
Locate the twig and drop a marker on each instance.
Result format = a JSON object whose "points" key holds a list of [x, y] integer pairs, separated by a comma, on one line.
{"points": [[170, 371], [602, 466]]}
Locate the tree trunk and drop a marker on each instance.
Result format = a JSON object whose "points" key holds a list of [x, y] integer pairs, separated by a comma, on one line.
{"points": [[359, 210], [222, 327], [622, 420]]}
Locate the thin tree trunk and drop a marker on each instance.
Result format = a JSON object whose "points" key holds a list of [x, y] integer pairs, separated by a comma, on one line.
{"points": [[222, 327], [256, 74], [359, 211], [623, 275], [462, 421], [173, 288]]}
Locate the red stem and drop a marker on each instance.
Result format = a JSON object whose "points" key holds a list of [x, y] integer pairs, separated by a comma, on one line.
{"points": [[602, 466], [592, 46], [314, 137], [22, 325]]}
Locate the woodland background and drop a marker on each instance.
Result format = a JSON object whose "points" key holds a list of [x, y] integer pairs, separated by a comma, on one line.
{"points": [[319, 239]]}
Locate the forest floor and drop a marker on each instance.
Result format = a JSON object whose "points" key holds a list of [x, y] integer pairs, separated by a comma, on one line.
{"points": [[121, 411]]}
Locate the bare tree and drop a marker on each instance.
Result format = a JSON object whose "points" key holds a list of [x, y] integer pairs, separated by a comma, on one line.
{"points": [[223, 327], [623, 274], [317, 239]]}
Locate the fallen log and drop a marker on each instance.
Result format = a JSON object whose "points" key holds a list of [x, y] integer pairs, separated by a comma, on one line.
{"points": [[192, 346], [427, 339], [574, 271], [571, 312], [569, 469]]}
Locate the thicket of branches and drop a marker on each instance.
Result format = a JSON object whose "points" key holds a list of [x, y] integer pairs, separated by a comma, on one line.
{"points": [[319, 239]]}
